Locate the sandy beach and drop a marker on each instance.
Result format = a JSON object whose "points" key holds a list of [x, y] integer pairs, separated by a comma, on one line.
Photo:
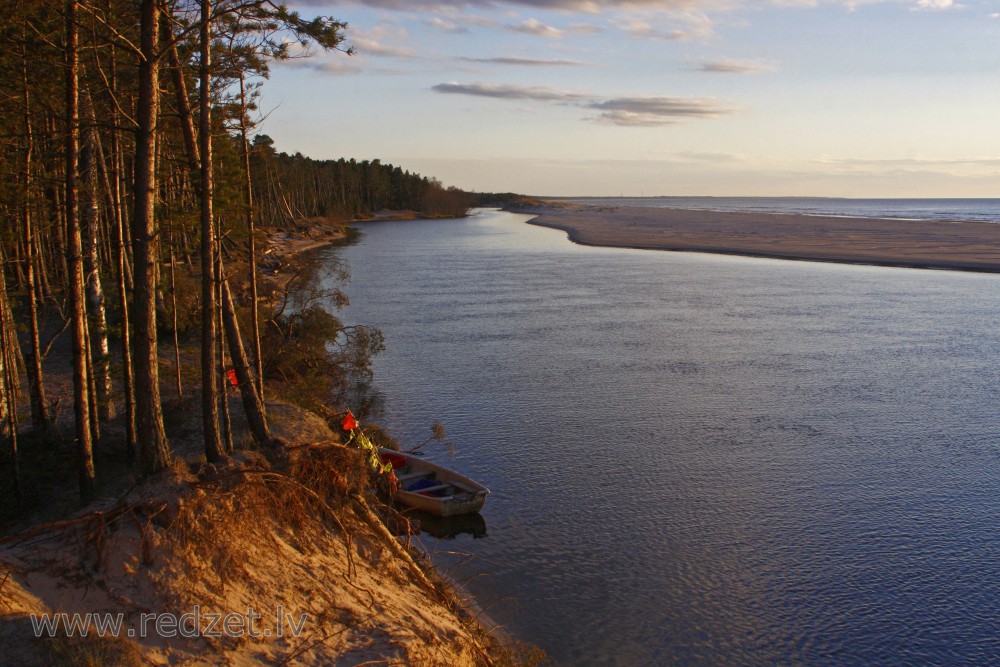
{"points": [[960, 246]]}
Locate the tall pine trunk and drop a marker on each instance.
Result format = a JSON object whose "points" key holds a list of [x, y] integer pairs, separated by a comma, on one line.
{"points": [[209, 306], [131, 439], [182, 103], [36, 384], [74, 266], [9, 380], [173, 310], [252, 243], [253, 405], [119, 227], [155, 450], [227, 424], [101, 357]]}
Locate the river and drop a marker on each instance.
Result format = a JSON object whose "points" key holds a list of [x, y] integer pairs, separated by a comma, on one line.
{"points": [[700, 459]]}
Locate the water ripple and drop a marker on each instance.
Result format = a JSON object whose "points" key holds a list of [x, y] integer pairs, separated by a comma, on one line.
{"points": [[703, 460]]}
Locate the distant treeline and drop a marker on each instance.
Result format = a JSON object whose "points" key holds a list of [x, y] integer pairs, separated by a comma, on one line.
{"points": [[494, 199], [296, 187]]}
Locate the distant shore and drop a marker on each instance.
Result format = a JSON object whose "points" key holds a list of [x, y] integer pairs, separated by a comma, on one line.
{"points": [[952, 245]]}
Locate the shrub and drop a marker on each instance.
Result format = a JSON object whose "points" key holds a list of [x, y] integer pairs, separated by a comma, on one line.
{"points": [[318, 357]]}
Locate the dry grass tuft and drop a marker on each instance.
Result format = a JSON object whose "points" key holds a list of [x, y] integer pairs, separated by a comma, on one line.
{"points": [[300, 499], [337, 472], [514, 653], [92, 651]]}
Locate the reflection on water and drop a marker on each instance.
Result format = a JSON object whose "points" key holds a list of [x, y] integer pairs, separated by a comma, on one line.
{"points": [[698, 459], [449, 527]]}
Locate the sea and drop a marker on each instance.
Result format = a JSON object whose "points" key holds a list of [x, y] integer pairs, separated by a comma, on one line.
{"points": [[979, 210], [699, 459]]}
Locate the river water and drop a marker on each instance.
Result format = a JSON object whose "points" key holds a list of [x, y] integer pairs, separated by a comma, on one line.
{"points": [[700, 459]]}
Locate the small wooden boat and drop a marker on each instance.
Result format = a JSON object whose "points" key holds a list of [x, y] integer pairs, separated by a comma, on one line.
{"points": [[433, 488]]}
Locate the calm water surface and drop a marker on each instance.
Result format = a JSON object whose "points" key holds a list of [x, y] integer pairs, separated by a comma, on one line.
{"points": [[699, 459]]}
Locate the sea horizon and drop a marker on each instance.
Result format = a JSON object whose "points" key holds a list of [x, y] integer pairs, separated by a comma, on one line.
{"points": [[972, 209]]}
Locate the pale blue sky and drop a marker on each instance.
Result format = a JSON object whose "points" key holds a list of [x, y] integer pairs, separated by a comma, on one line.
{"points": [[890, 98]]}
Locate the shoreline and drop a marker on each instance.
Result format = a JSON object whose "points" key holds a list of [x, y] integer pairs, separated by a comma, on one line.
{"points": [[295, 250], [281, 248], [924, 244], [174, 560]]}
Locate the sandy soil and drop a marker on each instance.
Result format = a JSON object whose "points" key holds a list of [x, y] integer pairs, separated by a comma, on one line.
{"points": [[280, 247], [283, 245], [964, 246], [228, 540]]}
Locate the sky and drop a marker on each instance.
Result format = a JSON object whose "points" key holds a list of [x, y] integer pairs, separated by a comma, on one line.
{"points": [[842, 98]]}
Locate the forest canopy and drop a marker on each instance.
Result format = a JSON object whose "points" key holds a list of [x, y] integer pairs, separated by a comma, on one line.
{"points": [[133, 165]]}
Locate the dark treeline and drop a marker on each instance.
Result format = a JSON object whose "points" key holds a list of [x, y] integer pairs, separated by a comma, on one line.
{"points": [[295, 187], [498, 199], [130, 167]]}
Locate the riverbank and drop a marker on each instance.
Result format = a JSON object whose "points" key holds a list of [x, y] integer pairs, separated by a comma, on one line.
{"points": [[282, 245], [293, 527], [284, 545], [952, 245]]}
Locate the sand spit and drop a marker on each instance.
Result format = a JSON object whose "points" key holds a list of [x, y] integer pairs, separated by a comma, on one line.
{"points": [[958, 245]]}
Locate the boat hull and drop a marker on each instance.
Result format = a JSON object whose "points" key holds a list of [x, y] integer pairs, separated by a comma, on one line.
{"points": [[433, 488]]}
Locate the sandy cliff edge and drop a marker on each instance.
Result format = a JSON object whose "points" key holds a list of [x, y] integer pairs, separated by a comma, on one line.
{"points": [[289, 537]]}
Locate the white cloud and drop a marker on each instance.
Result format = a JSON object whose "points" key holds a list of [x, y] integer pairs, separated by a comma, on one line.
{"points": [[535, 27], [965, 166], [508, 92], [622, 111], [530, 26], [683, 26], [382, 42], [447, 26], [599, 6], [333, 65], [734, 66], [936, 4], [585, 29], [583, 6], [528, 62], [653, 111]]}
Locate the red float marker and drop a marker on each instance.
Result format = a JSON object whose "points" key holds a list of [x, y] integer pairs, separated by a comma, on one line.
{"points": [[348, 423]]}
